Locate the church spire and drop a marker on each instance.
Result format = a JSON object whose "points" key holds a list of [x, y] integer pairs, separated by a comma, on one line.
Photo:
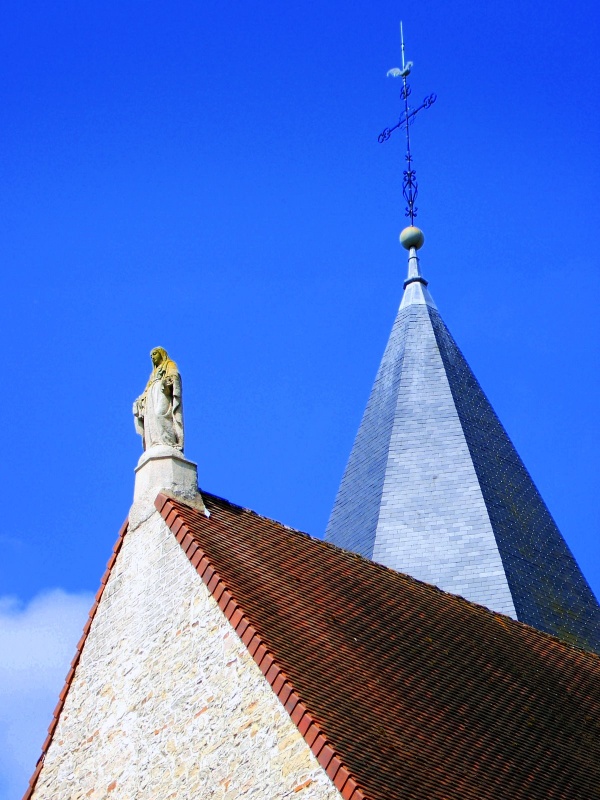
{"points": [[435, 488]]}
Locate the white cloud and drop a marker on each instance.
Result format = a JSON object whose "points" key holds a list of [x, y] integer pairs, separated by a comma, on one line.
{"points": [[37, 644]]}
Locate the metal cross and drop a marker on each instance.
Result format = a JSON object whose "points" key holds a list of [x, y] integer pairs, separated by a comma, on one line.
{"points": [[410, 188]]}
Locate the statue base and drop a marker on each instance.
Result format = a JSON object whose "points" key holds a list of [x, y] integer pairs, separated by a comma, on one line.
{"points": [[165, 468]]}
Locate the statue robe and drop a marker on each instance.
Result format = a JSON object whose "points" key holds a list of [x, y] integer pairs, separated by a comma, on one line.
{"points": [[158, 412]]}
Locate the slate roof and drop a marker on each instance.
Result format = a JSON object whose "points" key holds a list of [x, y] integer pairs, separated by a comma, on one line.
{"points": [[435, 488], [403, 691]]}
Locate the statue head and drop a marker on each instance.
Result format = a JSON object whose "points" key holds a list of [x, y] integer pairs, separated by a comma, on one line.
{"points": [[158, 355]]}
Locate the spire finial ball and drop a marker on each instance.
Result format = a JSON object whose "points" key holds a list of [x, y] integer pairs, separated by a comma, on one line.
{"points": [[412, 237]]}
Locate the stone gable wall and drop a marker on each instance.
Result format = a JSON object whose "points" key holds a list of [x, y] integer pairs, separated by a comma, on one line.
{"points": [[166, 701]]}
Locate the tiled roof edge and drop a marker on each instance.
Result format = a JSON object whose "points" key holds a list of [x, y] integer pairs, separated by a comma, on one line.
{"points": [[323, 750], [71, 674]]}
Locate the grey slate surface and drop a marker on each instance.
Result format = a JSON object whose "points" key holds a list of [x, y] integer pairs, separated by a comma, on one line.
{"points": [[435, 488]]}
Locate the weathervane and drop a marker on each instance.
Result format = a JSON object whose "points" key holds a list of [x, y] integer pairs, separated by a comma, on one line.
{"points": [[410, 188]]}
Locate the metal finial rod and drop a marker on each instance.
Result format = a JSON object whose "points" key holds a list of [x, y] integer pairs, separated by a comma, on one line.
{"points": [[410, 187], [402, 45]]}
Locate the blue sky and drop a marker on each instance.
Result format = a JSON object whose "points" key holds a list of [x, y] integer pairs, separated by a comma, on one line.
{"points": [[207, 177]]}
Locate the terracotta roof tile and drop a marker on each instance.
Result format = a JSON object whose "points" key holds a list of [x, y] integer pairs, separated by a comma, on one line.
{"points": [[402, 690]]}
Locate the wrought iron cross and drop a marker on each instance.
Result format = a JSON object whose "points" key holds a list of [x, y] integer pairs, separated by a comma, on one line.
{"points": [[410, 187]]}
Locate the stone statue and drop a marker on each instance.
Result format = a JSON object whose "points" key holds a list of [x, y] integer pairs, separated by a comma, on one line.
{"points": [[158, 413]]}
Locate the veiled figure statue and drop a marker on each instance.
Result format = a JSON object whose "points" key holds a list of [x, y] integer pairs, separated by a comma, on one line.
{"points": [[158, 413]]}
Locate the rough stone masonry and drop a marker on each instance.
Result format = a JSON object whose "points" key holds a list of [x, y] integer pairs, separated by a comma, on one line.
{"points": [[166, 701]]}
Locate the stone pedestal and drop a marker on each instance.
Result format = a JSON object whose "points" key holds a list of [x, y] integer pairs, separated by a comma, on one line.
{"points": [[165, 468]]}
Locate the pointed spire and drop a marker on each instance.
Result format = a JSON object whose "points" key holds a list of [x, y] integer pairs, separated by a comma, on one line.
{"points": [[435, 488]]}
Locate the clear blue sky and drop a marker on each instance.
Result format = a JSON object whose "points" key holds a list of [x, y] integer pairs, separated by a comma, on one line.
{"points": [[206, 177]]}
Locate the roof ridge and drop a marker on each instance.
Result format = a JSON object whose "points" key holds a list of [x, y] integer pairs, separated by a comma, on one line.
{"points": [[396, 573], [217, 497]]}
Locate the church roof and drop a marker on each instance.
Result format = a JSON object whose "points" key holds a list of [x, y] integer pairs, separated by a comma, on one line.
{"points": [[435, 488], [402, 690]]}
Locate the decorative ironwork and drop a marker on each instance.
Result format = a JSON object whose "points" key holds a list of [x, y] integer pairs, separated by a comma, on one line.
{"points": [[387, 132], [410, 188]]}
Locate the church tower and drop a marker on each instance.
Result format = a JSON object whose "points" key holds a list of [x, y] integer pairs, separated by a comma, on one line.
{"points": [[435, 488]]}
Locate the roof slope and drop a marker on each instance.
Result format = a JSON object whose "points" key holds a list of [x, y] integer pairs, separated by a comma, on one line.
{"points": [[418, 692], [435, 488]]}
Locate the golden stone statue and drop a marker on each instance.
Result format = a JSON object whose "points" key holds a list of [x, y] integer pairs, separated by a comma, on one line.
{"points": [[158, 413]]}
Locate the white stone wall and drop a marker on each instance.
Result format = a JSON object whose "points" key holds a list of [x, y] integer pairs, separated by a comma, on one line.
{"points": [[166, 702]]}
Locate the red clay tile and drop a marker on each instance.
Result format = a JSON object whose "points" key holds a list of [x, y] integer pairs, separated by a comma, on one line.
{"points": [[333, 768], [160, 501], [187, 540], [358, 795], [341, 776], [236, 618], [265, 663], [242, 626], [349, 788], [224, 601], [218, 590], [260, 653], [298, 712], [325, 755], [254, 644], [175, 526], [207, 573], [311, 734], [304, 724], [291, 703], [285, 692], [279, 682], [249, 635], [191, 549], [319, 743]]}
